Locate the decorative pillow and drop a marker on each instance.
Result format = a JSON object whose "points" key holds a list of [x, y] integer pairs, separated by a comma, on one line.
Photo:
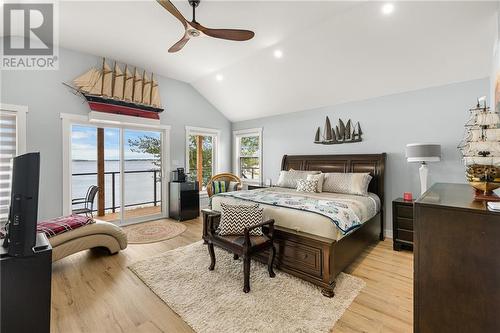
{"points": [[62, 224], [218, 186], [320, 178], [307, 185], [233, 186], [289, 178], [348, 183], [235, 218]]}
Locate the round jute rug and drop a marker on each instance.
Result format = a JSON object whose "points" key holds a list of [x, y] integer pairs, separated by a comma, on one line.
{"points": [[155, 231]]}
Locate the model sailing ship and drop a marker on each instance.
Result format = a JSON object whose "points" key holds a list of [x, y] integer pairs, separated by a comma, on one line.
{"points": [[120, 92], [343, 133], [481, 151]]}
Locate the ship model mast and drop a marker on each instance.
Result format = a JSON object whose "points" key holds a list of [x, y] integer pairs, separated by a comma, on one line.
{"points": [[115, 91], [480, 149]]}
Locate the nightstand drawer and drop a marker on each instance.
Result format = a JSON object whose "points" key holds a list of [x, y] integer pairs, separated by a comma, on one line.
{"points": [[404, 223], [404, 235], [404, 211]]}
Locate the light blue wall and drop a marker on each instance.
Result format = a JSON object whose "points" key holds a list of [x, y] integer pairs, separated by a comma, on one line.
{"points": [[46, 98], [389, 123]]}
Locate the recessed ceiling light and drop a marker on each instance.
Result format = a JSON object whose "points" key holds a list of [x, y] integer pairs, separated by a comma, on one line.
{"points": [[219, 77], [278, 54], [387, 8]]}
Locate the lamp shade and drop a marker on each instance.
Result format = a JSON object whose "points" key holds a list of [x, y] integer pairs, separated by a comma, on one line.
{"points": [[423, 152]]}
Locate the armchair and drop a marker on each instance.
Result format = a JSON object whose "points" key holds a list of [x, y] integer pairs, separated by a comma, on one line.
{"points": [[227, 177]]}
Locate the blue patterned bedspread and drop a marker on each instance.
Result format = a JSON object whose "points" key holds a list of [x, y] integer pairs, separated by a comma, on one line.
{"points": [[345, 213]]}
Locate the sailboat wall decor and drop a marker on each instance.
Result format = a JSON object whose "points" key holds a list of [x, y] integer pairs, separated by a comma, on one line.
{"points": [[342, 133], [481, 151], [125, 92]]}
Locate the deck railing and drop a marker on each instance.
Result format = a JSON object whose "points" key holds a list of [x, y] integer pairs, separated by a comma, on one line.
{"points": [[113, 174]]}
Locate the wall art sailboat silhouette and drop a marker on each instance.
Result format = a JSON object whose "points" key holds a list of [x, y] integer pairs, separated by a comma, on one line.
{"points": [[343, 133], [120, 92]]}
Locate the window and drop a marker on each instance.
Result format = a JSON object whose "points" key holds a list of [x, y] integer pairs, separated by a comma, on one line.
{"points": [[201, 154], [248, 155], [12, 143]]}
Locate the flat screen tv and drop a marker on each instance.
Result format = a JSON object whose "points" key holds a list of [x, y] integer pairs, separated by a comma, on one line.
{"points": [[23, 213]]}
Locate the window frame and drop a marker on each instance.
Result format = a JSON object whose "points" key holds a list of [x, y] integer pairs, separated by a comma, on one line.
{"points": [[122, 123], [19, 111], [215, 134], [237, 135]]}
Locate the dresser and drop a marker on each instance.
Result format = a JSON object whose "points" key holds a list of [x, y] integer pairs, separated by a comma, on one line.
{"points": [[402, 224], [456, 262], [184, 200]]}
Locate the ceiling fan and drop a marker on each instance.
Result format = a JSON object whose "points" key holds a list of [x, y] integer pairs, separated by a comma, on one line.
{"points": [[194, 29]]}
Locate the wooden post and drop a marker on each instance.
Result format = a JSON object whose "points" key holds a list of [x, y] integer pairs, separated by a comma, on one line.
{"points": [[100, 171], [199, 159]]}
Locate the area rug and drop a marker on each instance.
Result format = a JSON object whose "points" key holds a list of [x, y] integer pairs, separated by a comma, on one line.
{"points": [[155, 231], [213, 301]]}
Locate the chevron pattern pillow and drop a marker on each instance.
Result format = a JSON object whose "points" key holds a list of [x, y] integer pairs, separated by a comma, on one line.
{"points": [[235, 218]]}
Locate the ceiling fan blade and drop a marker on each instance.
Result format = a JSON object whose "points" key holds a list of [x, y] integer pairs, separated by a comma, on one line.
{"points": [[179, 45], [231, 34], [171, 8]]}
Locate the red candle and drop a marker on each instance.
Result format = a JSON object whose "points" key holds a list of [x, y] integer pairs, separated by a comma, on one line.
{"points": [[407, 196]]}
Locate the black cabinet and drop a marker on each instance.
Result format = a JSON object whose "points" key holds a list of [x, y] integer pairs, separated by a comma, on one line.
{"points": [[184, 200], [25, 290], [402, 224]]}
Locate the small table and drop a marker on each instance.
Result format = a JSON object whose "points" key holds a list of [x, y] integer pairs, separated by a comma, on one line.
{"points": [[256, 186], [402, 224]]}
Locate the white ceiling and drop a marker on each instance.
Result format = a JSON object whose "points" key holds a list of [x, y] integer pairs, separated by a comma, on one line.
{"points": [[334, 52]]}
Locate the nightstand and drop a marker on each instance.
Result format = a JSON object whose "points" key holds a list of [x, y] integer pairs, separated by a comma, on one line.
{"points": [[402, 224], [256, 186]]}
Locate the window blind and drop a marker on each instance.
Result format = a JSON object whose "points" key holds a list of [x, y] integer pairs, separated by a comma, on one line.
{"points": [[8, 149]]}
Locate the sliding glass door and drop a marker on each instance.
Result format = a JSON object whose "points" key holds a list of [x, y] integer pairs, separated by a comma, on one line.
{"points": [[126, 164], [142, 174]]}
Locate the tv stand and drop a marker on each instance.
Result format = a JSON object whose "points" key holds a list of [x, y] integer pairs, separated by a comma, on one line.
{"points": [[26, 289]]}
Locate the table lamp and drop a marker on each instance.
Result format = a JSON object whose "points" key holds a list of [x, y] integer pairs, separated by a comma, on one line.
{"points": [[423, 153]]}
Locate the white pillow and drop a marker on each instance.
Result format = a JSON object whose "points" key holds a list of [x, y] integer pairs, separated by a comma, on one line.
{"points": [[348, 183], [307, 185], [320, 178], [289, 178]]}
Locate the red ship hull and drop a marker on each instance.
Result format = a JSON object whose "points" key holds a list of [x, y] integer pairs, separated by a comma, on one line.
{"points": [[101, 104]]}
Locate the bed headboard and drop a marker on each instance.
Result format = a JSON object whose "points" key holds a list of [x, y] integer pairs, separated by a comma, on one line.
{"points": [[372, 163]]}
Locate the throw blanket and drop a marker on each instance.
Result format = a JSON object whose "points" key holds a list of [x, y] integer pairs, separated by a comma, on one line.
{"points": [[347, 214], [62, 224]]}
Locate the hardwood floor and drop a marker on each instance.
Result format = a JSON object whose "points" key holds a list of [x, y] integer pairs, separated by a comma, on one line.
{"points": [[94, 292]]}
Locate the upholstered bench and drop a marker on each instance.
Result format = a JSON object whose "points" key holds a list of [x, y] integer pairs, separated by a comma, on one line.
{"points": [[98, 234]]}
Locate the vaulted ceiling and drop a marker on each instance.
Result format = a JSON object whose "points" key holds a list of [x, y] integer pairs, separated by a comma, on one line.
{"points": [[333, 52]]}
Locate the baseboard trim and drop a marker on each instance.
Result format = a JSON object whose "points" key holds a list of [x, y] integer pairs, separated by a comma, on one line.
{"points": [[388, 233]]}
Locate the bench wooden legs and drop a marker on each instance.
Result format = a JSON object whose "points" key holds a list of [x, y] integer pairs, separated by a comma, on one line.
{"points": [[246, 273], [270, 262], [212, 256]]}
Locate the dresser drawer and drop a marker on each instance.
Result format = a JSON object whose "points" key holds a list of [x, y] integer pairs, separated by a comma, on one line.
{"points": [[295, 255], [404, 211], [404, 235], [404, 223]]}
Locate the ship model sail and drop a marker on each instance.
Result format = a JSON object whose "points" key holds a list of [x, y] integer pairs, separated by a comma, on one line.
{"points": [[124, 92], [343, 133], [480, 149]]}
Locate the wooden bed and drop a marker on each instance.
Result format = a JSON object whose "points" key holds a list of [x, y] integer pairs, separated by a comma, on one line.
{"points": [[317, 259]]}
